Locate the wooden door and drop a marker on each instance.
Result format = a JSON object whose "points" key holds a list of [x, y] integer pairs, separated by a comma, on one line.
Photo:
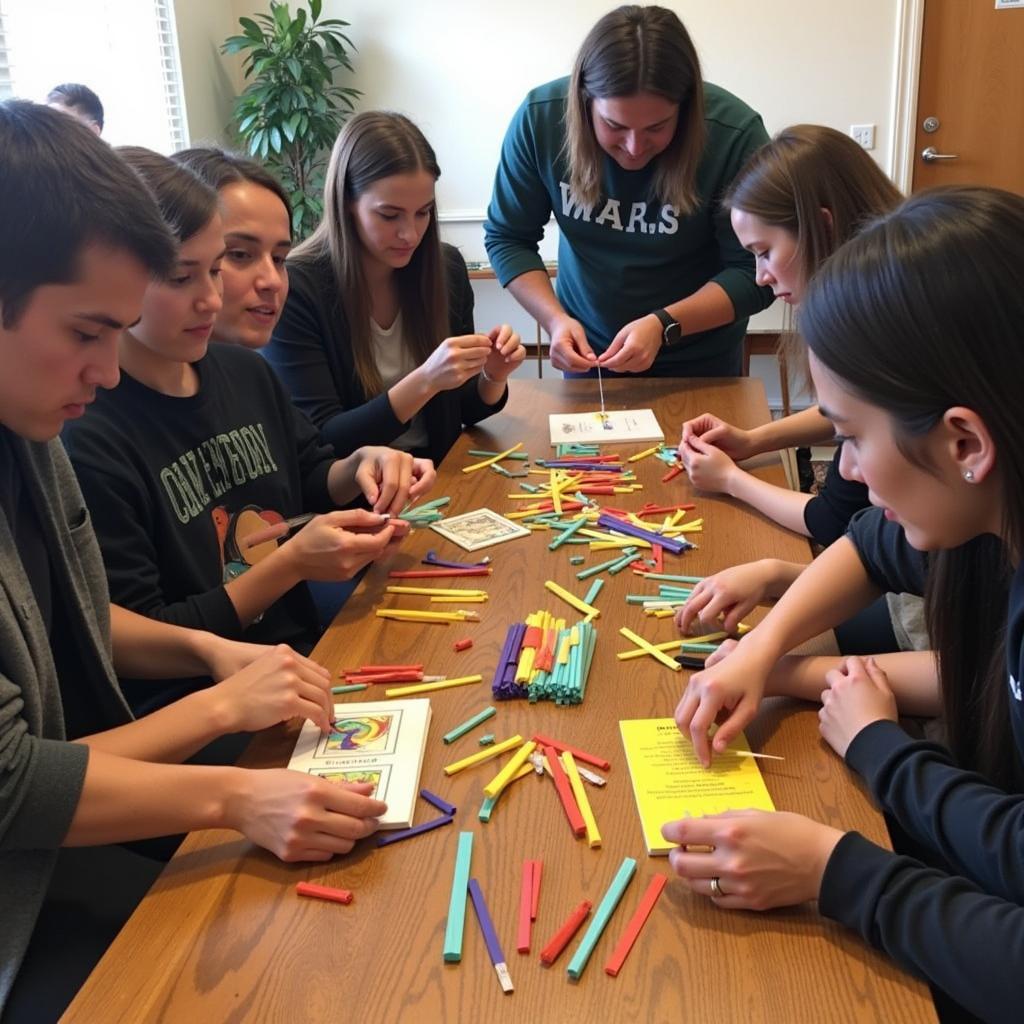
{"points": [[972, 82]]}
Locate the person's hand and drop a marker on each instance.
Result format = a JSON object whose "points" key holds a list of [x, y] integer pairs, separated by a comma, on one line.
{"points": [[721, 602], [224, 657], [301, 817], [278, 685], [507, 353], [737, 444], [455, 360], [336, 545], [390, 479], [708, 467], [634, 348], [857, 694], [761, 859], [729, 693], [570, 349]]}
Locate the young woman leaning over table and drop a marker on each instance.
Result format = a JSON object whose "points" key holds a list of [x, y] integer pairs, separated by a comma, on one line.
{"points": [[195, 464], [376, 342], [794, 203], [631, 154], [910, 328]]}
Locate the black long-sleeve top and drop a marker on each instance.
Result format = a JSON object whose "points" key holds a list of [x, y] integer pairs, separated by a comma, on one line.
{"points": [[961, 927], [827, 515], [311, 350]]}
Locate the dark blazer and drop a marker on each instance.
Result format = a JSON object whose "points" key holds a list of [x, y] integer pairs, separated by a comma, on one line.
{"points": [[312, 353]]}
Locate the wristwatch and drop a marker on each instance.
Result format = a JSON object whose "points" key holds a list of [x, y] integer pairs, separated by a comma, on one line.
{"points": [[671, 332]]}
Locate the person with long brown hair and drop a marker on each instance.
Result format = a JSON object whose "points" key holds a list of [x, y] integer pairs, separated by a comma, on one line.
{"points": [[631, 154], [376, 341], [913, 331], [798, 199]]}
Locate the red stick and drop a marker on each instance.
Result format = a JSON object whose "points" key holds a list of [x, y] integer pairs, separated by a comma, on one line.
{"points": [[463, 645], [636, 922], [670, 475], [525, 904], [580, 755], [323, 892], [661, 510], [384, 677], [572, 811], [659, 558], [425, 574], [390, 668], [553, 950], [537, 867]]}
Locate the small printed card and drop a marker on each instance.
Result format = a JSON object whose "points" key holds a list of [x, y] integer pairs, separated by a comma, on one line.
{"points": [[670, 783], [382, 744], [479, 529], [620, 426]]}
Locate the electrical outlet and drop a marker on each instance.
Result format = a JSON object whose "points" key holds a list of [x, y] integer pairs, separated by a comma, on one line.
{"points": [[863, 135]]}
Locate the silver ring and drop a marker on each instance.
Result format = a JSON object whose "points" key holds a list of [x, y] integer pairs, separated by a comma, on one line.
{"points": [[716, 889]]}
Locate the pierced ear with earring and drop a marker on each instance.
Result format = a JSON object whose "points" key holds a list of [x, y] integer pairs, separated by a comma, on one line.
{"points": [[969, 475]]}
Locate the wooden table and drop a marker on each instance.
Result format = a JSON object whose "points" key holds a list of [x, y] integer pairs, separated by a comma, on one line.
{"points": [[223, 937]]}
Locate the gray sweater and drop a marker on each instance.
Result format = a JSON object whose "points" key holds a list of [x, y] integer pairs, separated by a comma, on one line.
{"points": [[41, 774]]}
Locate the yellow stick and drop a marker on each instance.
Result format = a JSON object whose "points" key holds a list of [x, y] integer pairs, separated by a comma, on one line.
{"points": [[593, 835], [459, 600], [504, 777], [414, 615], [435, 591], [484, 755], [649, 648], [572, 599], [444, 684], [643, 455], [492, 460]]}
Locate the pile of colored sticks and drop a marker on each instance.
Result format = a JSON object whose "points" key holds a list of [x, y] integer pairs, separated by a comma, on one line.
{"points": [[424, 515]]}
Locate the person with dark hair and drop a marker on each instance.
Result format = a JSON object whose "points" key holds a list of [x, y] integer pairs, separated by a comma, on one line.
{"points": [[257, 219], [632, 154], [79, 101], [910, 327], [798, 198], [195, 463], [80, 239], [376, 340]]}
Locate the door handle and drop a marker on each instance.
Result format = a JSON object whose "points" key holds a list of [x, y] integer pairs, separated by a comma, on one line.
{"points": [[931, 156]]}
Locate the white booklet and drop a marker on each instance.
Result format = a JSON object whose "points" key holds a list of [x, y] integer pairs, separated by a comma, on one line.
{"points": [[479, 529], [381, 743], [620, 426]]}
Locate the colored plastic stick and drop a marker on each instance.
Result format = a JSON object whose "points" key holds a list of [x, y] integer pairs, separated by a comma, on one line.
{"points": [[593, 835], [468, 724], [408, 615], [593, 570], [483, 755], [430, 574], [457, 905], [444, 684], [486, 740], [580, 755], [430, 558], [349, 689], [436, 591], [564, 790], [490, 936], [643, 455], [324, 892], [487, 807], [525, 906], [566, 534], [602, 916], [387, 838], [504, 777], [492, 459], [462, 645], [595, 589], [538, 866], [636, 922], [632, 530], [572, 600], [477, 453], [388, 668], [650, 649], [438, 801], [553, 950]]}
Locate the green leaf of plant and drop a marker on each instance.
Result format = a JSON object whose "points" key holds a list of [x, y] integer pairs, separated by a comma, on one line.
{"points": [[282, 16], [295, 67], [315, 7], [251, 29], [275, 139]]}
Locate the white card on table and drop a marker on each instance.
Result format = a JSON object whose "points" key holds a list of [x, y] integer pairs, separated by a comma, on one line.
{"points": [[479, 529], [620, 426]]}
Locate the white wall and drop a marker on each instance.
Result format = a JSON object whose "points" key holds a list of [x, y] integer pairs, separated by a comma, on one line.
{"points": [[459, 68]]}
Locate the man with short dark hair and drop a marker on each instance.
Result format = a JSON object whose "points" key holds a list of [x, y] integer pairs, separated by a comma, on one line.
{"points": [[80, 239], [79, 101]]}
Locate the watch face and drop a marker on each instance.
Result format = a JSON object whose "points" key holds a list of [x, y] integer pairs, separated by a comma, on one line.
{"points": [[672, 334]]}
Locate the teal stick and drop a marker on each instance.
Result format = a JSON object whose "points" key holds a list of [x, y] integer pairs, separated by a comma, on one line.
{"points": [[566, 534], [457, 906], [351, 688], [487, 806], [490, 455], [585, 574], [673, 579], [628, 558], [468, 724], [701, 648], [595, 589], [602, 916]]}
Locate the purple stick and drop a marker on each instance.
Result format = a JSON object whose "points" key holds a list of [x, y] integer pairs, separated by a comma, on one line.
{"points": [[486, 926], [438, 801], [396, 837], [432, 559], [621, 526]]}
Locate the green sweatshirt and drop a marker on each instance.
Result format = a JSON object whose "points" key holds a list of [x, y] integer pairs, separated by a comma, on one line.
{"points": [[629, 254]]}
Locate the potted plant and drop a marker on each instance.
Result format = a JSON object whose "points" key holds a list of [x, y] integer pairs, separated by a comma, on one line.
{"points": [[291, 111]]}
